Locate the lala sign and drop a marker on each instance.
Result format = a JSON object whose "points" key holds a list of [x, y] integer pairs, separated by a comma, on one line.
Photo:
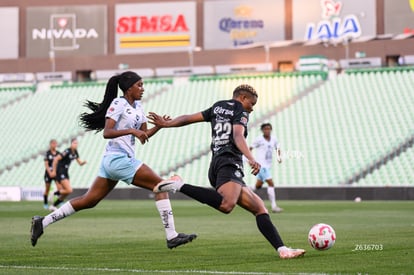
{"points": [[332, 27]]}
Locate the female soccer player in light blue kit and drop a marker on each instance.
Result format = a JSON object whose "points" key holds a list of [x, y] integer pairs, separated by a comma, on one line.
{"points": [[122, 121]]}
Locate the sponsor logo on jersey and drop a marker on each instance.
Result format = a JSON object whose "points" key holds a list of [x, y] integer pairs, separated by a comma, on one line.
{"points": [[223, 111]]}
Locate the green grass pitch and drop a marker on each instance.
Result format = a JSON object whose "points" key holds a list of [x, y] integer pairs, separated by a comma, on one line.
{"points": [[126, 237]]}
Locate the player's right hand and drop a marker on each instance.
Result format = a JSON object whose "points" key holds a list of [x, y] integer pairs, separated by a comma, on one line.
{"points": [[255, 167], [157, 120], [141, 135]]}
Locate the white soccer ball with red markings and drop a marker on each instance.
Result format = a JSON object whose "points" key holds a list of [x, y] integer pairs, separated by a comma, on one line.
{"points": [[322, 236]]}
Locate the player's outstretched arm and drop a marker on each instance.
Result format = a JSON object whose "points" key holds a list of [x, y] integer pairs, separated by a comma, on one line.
{"points": [[161, 122], [241, 143]]}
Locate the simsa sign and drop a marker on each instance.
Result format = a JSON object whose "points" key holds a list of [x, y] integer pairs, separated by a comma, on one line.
{"points": [[155, 27], [231, 24], [66, 30]]}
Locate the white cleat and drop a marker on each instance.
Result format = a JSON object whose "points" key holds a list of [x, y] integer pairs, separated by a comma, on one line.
{"points": [[173, 184], [277, 209], [290, 253]]}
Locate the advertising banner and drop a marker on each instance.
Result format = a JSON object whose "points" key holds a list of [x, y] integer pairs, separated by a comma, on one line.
{"points": [[333, 20], [232, 24], [9, 32], [404, 11], [66, 31], [155, 27]]}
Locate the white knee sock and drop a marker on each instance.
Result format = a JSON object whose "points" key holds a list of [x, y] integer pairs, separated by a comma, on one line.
{"points": [[272, 196], [167, 218], [64, 211]]}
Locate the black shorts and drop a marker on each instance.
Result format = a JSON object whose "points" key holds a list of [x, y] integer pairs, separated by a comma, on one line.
{"points": [[62, 174], [225, 168], [48, 179]]}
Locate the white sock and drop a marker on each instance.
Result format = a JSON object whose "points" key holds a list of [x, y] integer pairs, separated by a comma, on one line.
{"points": [[167, 218], [281, 248], [64, 211], [272, 196]]}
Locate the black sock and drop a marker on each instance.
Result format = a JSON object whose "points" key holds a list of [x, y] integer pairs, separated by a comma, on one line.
{"points": [[57, 202], [57, 193], [204, 195], [45, 199], [268, 230]]}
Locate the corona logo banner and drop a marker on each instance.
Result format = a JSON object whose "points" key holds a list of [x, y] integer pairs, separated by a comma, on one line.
{"points": [[231, 24], [156, 27], [333, 21], [66, 30]]}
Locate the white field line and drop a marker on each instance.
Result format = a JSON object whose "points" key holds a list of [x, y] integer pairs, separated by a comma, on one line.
{"points": [[143, 271]]}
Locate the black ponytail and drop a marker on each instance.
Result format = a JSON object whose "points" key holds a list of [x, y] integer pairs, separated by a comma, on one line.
{"points": [[96, 119]]}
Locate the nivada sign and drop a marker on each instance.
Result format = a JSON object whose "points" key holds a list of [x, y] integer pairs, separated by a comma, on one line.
{"points": [[231, 24], [156, 27], [66, 30]]}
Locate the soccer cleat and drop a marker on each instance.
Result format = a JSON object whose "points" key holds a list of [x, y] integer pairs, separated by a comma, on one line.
{"points": [[277, 209], [45, 206], [37, 229], [180, 240], [173, 184], [53, 208], [290, 253]]}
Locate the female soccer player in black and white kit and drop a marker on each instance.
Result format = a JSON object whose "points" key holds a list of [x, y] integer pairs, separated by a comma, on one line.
{"points": [[61, 165], [49, 175], [228, 120], [122, 121]]}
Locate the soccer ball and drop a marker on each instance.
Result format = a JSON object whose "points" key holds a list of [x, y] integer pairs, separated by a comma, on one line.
{"points": [[321, 236]]}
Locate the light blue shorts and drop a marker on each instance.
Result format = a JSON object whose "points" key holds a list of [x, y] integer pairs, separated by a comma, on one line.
{"points": [[119, 167], [264, 174]]}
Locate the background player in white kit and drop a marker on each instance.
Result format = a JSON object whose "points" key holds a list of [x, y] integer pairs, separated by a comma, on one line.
{"points": [[264, 146]]}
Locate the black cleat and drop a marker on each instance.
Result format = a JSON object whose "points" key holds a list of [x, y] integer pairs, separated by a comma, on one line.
{"points": [[37, 229], [180, 239]]}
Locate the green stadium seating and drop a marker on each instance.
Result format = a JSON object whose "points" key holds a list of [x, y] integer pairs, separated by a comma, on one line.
{"points": [[164, 151], [343, 126]]}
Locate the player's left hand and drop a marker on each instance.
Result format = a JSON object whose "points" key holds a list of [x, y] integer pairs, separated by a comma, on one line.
{"points": [[255, 167]]}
